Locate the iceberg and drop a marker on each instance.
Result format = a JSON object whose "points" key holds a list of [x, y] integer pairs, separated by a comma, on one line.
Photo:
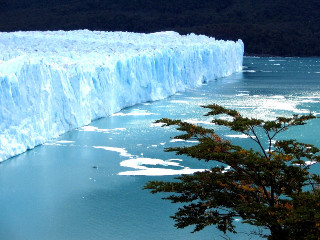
{"points": [[55, 81]]}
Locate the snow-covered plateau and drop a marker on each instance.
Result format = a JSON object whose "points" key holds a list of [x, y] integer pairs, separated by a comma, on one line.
{"points": [[53, 82]]}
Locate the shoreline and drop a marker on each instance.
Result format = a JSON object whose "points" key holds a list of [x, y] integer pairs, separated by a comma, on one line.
{"points": [[276, 56]]}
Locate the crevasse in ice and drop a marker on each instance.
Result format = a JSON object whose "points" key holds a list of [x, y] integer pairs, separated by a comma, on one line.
{"points": [[52, 82]]}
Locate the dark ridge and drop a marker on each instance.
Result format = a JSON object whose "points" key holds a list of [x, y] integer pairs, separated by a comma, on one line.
{"points": [[273, 27]]}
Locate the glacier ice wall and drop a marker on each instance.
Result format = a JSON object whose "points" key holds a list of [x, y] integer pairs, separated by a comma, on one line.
{"points": [[52, 82]]}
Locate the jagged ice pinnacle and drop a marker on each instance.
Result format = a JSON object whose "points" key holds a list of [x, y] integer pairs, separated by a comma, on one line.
{"points": [[53, 82]]}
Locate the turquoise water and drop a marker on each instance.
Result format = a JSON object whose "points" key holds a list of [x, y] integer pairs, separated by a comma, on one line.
{"points": [[88, 183]]}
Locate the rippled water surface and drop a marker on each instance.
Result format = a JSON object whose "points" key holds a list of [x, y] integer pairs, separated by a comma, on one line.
{"points": [[88, 183]]}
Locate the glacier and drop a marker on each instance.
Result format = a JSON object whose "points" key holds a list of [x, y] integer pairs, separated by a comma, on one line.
{"points": [[55, 81]]}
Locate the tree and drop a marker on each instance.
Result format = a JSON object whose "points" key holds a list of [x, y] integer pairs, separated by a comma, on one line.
{"points": [[271, 187]]}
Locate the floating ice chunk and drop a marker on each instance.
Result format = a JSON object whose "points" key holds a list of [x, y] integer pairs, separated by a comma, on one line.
{"points": [[307, 163], [310, 162], [182, 140], [226, 169], [52, 144], [160, 172], [195, 121], [141, 167], [237, 136], [123, 152], [156, 124], [175, 159], [95, 129], [177, 140], [139, 162], [64, 141]]}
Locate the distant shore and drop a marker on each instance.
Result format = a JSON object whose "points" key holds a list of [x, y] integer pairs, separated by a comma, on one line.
{"points": [[275, 56], [267, 28]]}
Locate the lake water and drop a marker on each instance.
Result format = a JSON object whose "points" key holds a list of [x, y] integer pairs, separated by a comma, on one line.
{"points": [[88, 183]]}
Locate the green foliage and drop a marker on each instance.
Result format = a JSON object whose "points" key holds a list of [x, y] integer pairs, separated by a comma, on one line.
{"points": [[271, 188]]}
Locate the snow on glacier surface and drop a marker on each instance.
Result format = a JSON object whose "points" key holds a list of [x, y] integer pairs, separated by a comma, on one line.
{"points": [[52, 82]]}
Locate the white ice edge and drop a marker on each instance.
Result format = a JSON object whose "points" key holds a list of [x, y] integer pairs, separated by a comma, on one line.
{"points": [[122, 151], [53, 82], [141, 167], [134, 112], [99, 130], [140, 164], [237, 136]]}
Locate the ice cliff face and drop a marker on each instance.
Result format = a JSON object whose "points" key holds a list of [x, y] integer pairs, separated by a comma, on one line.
{"points": [[52, 82]]}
